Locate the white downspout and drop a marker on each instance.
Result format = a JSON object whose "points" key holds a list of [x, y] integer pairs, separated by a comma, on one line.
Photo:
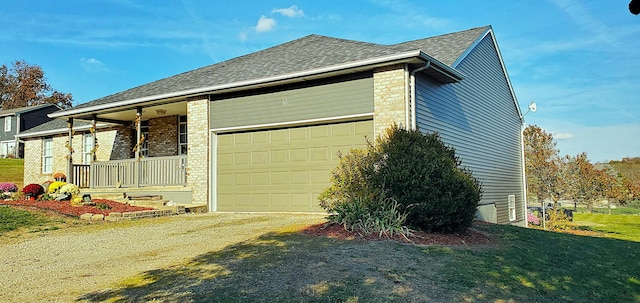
{"points": [[413, 93], [407, 98], [524, 178], [16, 144]]}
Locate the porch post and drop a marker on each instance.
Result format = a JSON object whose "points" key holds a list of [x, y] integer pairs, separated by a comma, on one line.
{"points": [[70, 151], [94, 138], [138, 132], [136, 166], [94, 147]]}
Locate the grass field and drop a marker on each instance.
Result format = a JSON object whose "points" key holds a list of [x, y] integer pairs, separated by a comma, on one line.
{"points": [[522, 265], [12, 170], [12, 219], [624, 227]]}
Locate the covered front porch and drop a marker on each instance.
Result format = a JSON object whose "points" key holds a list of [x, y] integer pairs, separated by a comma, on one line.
{"points": [[147, 156], [156, 146]]}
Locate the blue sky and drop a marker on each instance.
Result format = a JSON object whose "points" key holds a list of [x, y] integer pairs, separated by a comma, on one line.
{"points": [[579, 60]]}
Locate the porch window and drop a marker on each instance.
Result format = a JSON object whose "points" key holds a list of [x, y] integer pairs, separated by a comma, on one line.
{"points": [[182, 135], [7, 124], [87, 147], [47, 155], [144, 131]]}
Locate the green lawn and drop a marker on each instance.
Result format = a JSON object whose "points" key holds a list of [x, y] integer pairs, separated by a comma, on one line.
{"points": [[624, 227], [522, 265], [12, 219], [12, 171]]}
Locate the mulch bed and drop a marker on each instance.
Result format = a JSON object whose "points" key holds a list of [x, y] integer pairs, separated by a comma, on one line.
{"points": [[65, 207], [335, 231]]}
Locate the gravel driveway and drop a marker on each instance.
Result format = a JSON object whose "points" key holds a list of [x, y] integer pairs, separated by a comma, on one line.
{"points": [[62, 265]]}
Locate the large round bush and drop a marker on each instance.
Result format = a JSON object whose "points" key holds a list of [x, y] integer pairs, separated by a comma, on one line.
{"points": [[424, 175], [418, 172]]}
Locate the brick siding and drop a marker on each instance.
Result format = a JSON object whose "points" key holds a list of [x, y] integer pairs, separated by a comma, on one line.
{"points": [[388, 97], [198, 150]]}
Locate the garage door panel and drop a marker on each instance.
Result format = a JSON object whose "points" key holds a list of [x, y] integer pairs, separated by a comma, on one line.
{"points": [[299, 177], [260, 200], [242, 199], [320, 132], [260, 178], [280, 201], [300, 200], [319, 153], [242, 139], [284, 169], [280, 178], [260, 157]]}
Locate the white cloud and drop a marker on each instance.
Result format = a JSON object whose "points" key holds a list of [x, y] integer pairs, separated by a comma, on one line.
{"points": [[563, 136], [93, 65], [291, 12], [265, 24], [242, 36], [601, 143]]}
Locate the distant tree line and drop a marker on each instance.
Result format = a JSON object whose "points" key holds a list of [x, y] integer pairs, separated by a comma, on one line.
{"points": [[22, 84], [551, 177]]}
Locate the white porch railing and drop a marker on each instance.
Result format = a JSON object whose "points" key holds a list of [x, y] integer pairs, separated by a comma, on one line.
{"points": [[154, 171]]}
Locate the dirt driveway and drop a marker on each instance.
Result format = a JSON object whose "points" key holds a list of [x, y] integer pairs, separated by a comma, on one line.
{"points": [[62, 265]]}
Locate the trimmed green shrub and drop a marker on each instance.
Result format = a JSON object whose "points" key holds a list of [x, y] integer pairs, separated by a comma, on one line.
{"points": [[349, 180], [418, 172], [424, 175]]}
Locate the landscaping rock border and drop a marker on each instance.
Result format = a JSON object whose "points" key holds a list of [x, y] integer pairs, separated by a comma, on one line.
{"points": [[117, 216]]}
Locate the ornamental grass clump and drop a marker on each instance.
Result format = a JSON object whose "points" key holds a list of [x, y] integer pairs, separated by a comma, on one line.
{"points": [[381, 216]]}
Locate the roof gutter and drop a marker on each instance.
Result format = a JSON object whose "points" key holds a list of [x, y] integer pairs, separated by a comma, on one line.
{"points": [[59, 131], [442, 68], [280, 79]]}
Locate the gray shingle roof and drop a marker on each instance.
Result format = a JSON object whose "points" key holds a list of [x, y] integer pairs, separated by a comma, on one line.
{"points": [[307, 53]]}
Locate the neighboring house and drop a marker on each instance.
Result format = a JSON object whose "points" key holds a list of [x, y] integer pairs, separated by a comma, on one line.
{"points": [[261, 132], [15, 121]]}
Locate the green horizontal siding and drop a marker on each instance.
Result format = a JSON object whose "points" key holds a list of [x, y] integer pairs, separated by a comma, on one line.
{"points": [[316, 102]]}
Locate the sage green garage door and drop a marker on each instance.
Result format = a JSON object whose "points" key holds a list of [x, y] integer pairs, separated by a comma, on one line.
{"points": [[284, 169]]}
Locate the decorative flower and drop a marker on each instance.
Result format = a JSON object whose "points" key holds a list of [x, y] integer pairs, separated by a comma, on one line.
{"points": [[33, 190], [70, 189], [55, 187], [8, 187]]}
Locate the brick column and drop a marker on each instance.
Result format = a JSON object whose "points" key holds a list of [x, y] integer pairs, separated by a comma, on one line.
{"points": [[389, 98], [33, 161], [198, 149]]}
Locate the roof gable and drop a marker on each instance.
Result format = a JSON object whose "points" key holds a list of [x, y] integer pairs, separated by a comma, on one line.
{"points": [[449, 47]]}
